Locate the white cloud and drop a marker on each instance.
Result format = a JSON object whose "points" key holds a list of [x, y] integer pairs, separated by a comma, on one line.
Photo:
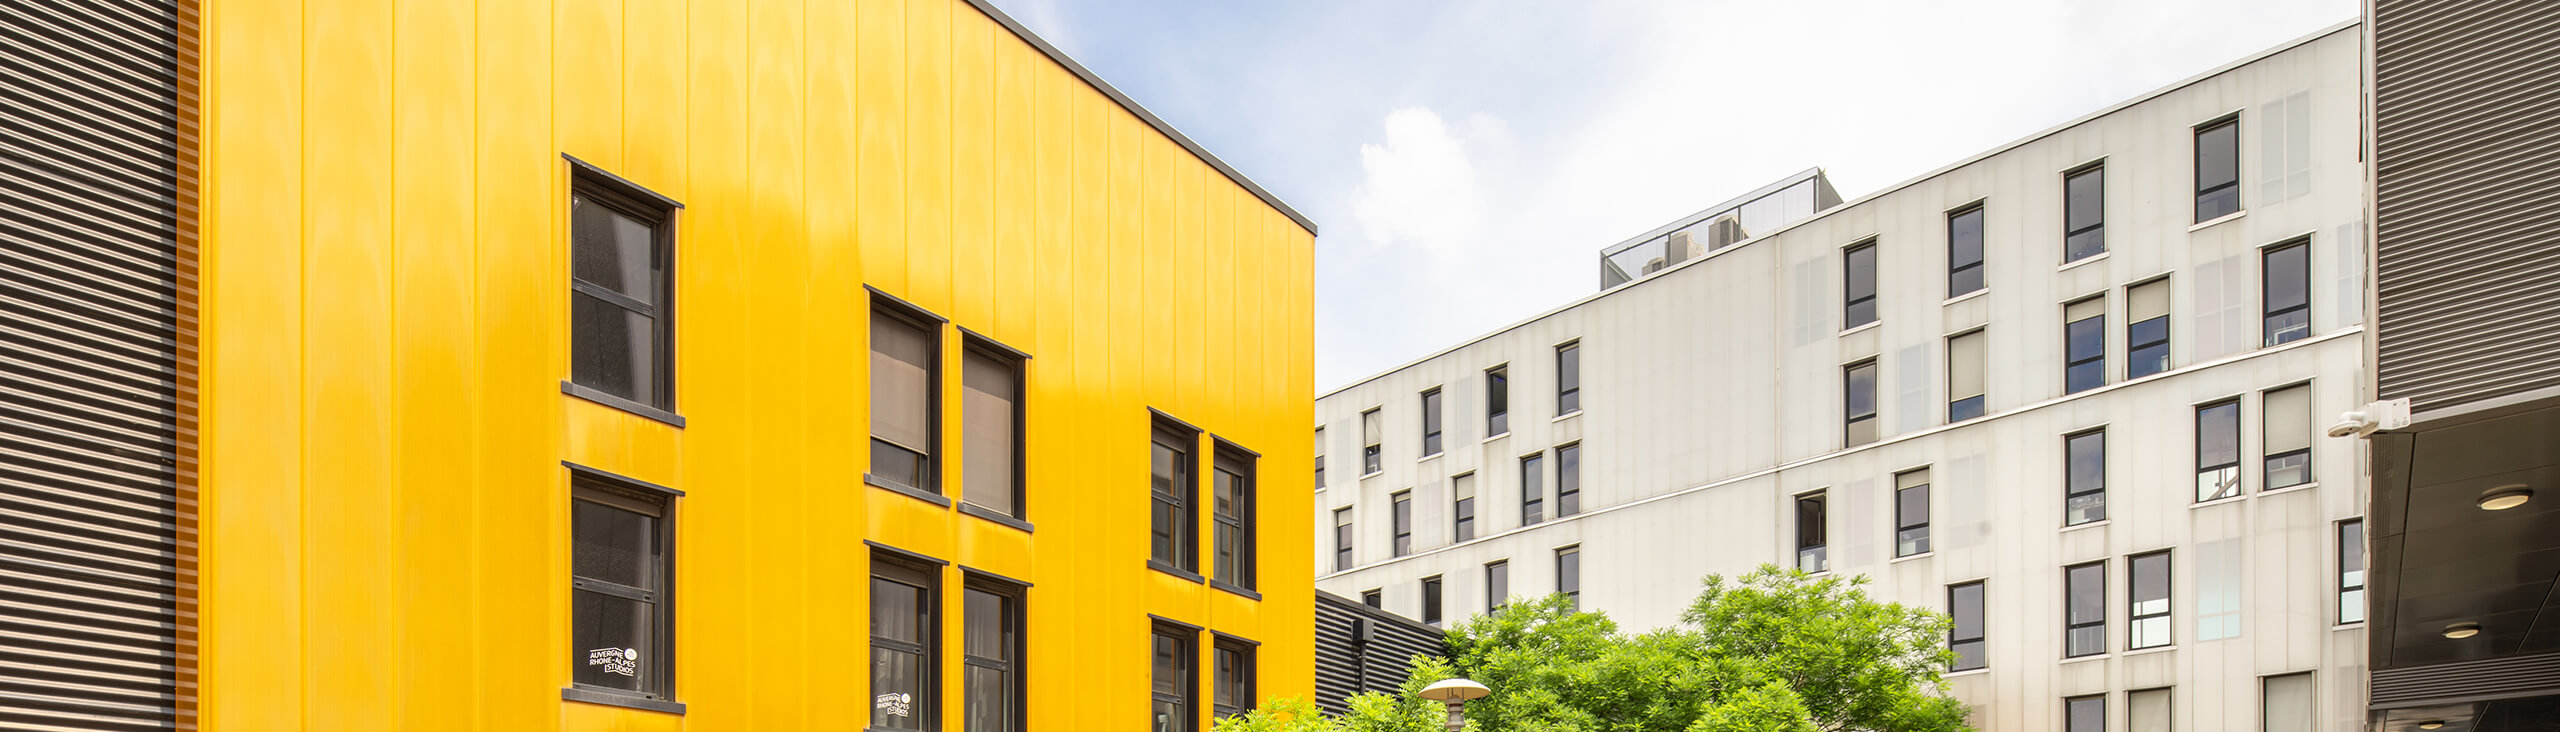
{"points": [[1419, 187]]}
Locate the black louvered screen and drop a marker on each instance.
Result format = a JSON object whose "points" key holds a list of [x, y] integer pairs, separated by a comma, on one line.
{"points": [[1360, 649], [91, 396]]}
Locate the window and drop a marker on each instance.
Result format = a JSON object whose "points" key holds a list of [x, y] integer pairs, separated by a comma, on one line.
{"points": [[2287, 293], [2286, 413], [991, 650], [1964, 377], [1568, 378], [1569, 576], [1532, 493], [1342, 538], [905, 621], [2084, 213], [2084, 345], [2149, 613], [1497, 585], [1319, 458], [1964, 606], [1497, 401], [906, 381], [1911, 513], [1858, 285], [1173, 687], [1235, 677], [1175, 516], [621, 577], [2218, 451], [1568, 480], [2085, 713], [2287, 703], [1232, 507], [1431, 422], [2084, 478], [2217, 169], [1462, 510], [1403, 522], [621, 293], [1811, 552], [2146, 336], [2351, 571], [1372, 598], [1371, 426], [2147, 710], [1964, 251], [2084, 625], [1431, 600], [1859, 395], [991, 428]]}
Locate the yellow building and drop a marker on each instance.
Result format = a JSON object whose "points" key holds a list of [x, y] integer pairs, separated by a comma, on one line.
{"points": [[654, 365]]}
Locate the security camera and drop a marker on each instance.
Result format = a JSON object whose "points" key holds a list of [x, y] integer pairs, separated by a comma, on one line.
{"points": [[2383, 415], [2353, 424]]}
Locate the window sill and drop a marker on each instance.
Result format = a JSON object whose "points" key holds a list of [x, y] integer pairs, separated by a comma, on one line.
{"points": [[1427, 458], [2200, 225], [1159, 566], [2151, 650], [625, 700], [2218, 501], [620, 403], [2357, 625], [1860, 328], [2084, 659], [1565, 416], [1922, 555], [994, 515], [2076, 263], [1964, 297], [2089, 525], [2290, 489], [1984, 671], [1489, 440], [1366, 476], [910, 492], [1235, 590]]}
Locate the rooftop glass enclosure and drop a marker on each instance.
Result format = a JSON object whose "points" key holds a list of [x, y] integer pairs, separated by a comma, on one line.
{"points": [[1787, 201]]}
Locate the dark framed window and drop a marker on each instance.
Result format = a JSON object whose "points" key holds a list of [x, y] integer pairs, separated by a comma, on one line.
{"points": [[1401, 505], [1234, 507], [906, 402], [1965, 383], [2217, 169], [905, 626], [2084, 345], [1173, 686], [1319, 458], [1858, 285], [2148, 613], [1175, 515], [622, 284], [1342, 538], [1431, 600], [991, 426], [622, 582], [2146, 332], [1497, 584], [2218, 450], [1372, 455], [1965, 636], [1569, 378], [2084, 213], [2286, 416], [1858, 396], [1462, 509], [1533, 493], [2084, 623], [991, 644], [1431, 421], [1497, 400], [2287, 292], [2085, 713], [2351, 571], [1373, 598], [1568, 480], [1964, 251], [1569, 575], [1911, 513], [1233, 677], [2084, 477], [1812, 548]]}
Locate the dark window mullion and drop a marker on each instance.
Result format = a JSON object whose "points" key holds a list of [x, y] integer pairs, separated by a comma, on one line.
{"points": [[615, 589], [611, 297]]}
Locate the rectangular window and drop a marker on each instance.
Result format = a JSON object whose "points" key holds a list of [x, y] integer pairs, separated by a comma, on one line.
{"points": [[1462, 510], [2217, 169], [1319, 458], [1176, 515], [1568, 378], [621, 615], [1568, 480], [905, 621], [1533, 493], [1173, 688], [2084, 213], [2149, 613], [2287, 292], [1911, 513], [991, 428], [1497, 585], [2287, 704], [906, 381], [1965, 636], [2351, 571], [1372, 427], [1858, 285], [1373, 598], [1402, 505], [1964, 251], [2147, 710], [1497, 401], [2084, 478], [2146, 335], [1812, 553], [621, 293], [1569, 576], [2218, 451], [2084, 345], [1431, 600], [2084, 625], [991, 648], [2286, 414], [1431, 422], [1233, 505], [1235, 677], [2085, 713], [1964, 377], [1858, 395], [1342, 538]]}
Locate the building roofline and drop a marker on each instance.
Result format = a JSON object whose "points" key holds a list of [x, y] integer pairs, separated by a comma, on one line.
{"points": [[1095, 80], [1702, 214], [2331, 30]]}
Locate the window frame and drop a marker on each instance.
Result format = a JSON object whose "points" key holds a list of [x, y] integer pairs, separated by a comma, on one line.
{"points": [[2134, 616], [1568, 479], [1497, 585], [1818, 545], [1016, 631], [1982, 249], [1497, 401], [657, 503], [1533, 488], [1850, 300], [1902, 523], [1374, 597], [2070, 586], [930, 468], [2269, 336], [885, 563], [2069, 702], [2351, 579], [2072, 361], [1462, 507], [2239, 483], [2195, 163], [1373, 451], [1249, 676], [1185, 500], [1850, 418], [1400, 523], [1569, 583], [1982, 627], [2133, 349], [2098, 227], [1432, 597], [1320, 453], [1431, 421], [1981, 398], [2267, 460], [1246, 521], [1569, 378], [1186, 697], [630, 199], [2071, 492], [973, 344], [1344, 528]]}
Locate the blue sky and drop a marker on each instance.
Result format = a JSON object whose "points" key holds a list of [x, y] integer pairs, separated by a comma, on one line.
{"points": [[1466, 161]]}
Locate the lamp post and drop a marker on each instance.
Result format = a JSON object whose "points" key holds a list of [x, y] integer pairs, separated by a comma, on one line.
{"points": [[1455, 693]]}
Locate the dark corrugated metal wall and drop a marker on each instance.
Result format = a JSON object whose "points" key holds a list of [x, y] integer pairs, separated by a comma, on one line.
{"points": [[92, 326], [1360, 648], [2467, 172]]}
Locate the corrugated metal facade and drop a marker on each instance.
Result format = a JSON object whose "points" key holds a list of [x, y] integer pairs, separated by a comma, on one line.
{"points": [[94, 326], [2467, 175], [1360, 649], [2505, 677]]}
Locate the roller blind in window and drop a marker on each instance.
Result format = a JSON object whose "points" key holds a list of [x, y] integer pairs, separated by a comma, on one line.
{"points": [[1964, 366], [2145, 302], [2288, 420], [987, 408], [901, 382]]}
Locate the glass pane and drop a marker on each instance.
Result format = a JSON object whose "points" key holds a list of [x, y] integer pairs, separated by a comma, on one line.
{"points": [[1964, 239], [1569, 571], [2085, 338], [2085, 200], [1963, 281], [2288, 703], [2217, 204], [1965, 607], [2083, 377], [2287, 327], [1431, 412], [1813, 559], [2218, 435], [2085, 641], [1914, 505], [1229, 683], [2084, 245], [2218, 156], [612, 350], [2151, 584], [2288, 278], [2152, 632], [1166, 527], [987, 701], [1497, 394], [897, 611], [1226, 493], [982, 625], [2083, 509], [613, 545], [2219, 483], [1169, 716], [2351, 606], [988, 389], [612, 636], [2148, 360], [1569, 368], [1371, 425], [2286, 471], [1497, 584], [2086, 714], [1964, 409], [1163, 467], [2088, 589], [1970, 655], [896, 464], [1809, 522], [613, 250], [1862, 390], [1911, 541], [1431, 601], [1764, 214], [1861, 274], [2088, 458], [897, 690], [1168, 666], [1858, 313]]}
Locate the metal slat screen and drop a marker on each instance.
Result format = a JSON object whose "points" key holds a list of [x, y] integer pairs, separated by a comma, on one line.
{"points": [[96, 338], [1360, 649]]}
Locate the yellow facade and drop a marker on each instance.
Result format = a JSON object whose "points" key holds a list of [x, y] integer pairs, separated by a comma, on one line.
{"points": [[384, 518]]}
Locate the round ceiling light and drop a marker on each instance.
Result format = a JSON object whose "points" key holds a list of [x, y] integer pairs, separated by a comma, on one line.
{"points": [[2458, 631], [2431, 724], [2505, 497]]}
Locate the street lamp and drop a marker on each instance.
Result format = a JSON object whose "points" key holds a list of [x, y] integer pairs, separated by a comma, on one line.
{"points": [[1455, 693]]}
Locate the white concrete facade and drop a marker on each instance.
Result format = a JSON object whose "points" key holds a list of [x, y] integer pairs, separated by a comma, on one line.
{"points": [[1711, 395]]}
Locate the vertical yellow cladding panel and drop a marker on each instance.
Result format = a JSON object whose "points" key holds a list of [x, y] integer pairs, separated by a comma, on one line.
{"points": [[386, 516]]}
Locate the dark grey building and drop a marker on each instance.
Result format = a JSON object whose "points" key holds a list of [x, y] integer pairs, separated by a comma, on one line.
{"points": [[1361, 648]]}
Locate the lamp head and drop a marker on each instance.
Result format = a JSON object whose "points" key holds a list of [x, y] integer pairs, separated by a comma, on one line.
{"points": [[1453, 690]]}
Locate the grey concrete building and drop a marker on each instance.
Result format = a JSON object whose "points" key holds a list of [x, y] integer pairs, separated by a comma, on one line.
{"points": [[2071, 390]]}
